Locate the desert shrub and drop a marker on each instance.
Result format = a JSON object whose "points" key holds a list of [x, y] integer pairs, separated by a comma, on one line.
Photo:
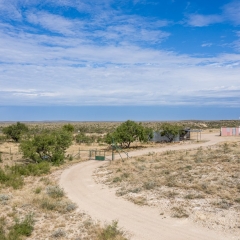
{"points": [[38, 190], [117, 179], [23, 228], [4, 197], [135, 190], [69, 207], [55, 191], [17, 231], [11, 179], [83, 138], [237, 200], [52, 204], [48, 204], [149, 185], [32, 169], [2, 138], [179, 212], [226, 148], [111, 232], [46, 180], [59, 233]]}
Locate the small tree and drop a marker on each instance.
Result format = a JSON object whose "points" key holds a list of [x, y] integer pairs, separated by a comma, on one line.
{"points": [[170, 130], [47, 146], [15, 131], [129, 132]]}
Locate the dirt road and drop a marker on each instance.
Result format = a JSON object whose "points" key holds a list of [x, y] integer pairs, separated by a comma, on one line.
{"points": [[144, 223]]}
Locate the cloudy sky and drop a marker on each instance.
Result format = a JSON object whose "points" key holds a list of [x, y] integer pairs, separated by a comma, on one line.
{"points": [[78, 53]]}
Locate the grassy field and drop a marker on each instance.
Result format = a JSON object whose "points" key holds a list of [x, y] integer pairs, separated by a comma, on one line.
{"points": [[202, 184]]}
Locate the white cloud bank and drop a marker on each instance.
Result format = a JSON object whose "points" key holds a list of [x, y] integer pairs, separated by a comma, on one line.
{"points": [[49, 59]]}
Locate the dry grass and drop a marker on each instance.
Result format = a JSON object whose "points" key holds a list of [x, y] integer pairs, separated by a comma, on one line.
{"points": [[202, 184], [54, 215]]}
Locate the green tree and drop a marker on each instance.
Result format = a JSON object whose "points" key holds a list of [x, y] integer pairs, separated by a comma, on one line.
{"points": [[15, 131], [129, 132], [68, 127], [47, 146], [170, 130]]}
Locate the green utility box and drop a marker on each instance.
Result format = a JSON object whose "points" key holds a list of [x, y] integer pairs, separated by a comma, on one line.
{"points": [[100, 158]]}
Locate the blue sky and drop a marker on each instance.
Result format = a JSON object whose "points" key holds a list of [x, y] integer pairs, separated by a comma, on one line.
{"points": [[114, 55]]}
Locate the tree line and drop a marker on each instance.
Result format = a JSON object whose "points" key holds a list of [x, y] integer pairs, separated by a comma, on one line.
{"points": [[50, 145]]}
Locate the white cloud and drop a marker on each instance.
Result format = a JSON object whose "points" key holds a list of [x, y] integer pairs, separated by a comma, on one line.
{"points": [[198, 20], [232, 12], [206, 44], [114, 76], [54, 23], [106, 59]]}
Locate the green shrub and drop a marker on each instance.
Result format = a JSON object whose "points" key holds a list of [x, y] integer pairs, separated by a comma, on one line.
{"points": [[47, 146], [32, 169], [18, 230], [10, 179], [23, 228], [38, 190]]}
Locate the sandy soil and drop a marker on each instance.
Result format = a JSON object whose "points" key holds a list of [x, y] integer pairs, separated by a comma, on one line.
{"points": [[142, 222]]}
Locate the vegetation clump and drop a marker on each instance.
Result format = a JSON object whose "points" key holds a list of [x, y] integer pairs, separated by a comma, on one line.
{"points": [[129, 132], [11, 179], [111, 232], [47, 146], [170, 130], [17, 231], [15, 131]]}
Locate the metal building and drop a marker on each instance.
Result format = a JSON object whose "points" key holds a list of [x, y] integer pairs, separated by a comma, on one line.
{"points": [[230, 131], [157, 137]]}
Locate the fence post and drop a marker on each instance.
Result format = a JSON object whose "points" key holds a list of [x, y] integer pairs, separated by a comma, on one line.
{"points": [[112, 155]]}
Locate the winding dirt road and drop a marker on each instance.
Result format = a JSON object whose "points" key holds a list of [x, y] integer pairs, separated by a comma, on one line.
{"points": [[144, 223]]}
